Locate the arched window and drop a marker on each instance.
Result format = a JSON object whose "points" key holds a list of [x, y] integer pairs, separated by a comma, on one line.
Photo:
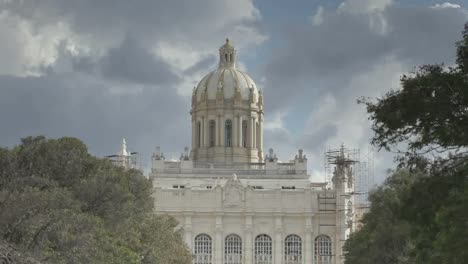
{"points": [[202, 249], [212, 134], [244, 133], [293, 249], [228, 130], [263, 250], [199, 134], [233, 250], [323, 250]]}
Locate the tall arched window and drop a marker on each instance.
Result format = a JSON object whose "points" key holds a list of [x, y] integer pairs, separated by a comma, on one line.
{"points": [[244, 133], [293, 249], [212, 134], [263, 250], [233, 249], [202, 249], [323, 250], [228, 133], [199, 134]]}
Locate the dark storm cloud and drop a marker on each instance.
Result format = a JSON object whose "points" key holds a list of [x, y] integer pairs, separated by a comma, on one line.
{"points": [[179, 19], [80, 105], [132, 62], [105, 80], [323, 58]]}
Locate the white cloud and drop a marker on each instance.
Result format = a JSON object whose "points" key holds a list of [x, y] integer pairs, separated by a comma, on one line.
{"points": [[445, 5], [363, 6], [317, 19], [138, 90]]}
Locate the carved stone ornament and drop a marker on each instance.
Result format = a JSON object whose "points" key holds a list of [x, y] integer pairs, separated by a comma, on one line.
{"points": [[203, 96], [220, 93], [252, 96], [194, 97], [233, 192], [237, 95]]}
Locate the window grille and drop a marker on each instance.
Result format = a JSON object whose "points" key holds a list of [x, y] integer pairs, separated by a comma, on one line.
{"points": [[233, 250], [202, 249], [263, 250], [323, 250], [293, 250]]}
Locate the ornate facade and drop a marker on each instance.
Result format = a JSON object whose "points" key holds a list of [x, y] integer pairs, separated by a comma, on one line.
{"points": [[236, 205]]}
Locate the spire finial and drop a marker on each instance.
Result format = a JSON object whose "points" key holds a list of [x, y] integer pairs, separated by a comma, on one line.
{"points": [[227, 55], [123, 148]]}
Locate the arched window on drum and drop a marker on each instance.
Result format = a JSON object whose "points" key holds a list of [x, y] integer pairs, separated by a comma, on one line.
{"points": [[203, 249], [244, 133], [212, 133], [228, 133], [199, 134]]}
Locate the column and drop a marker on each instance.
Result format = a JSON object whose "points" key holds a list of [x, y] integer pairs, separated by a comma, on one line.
{"points": [[194, 123], [188, 231], [251, 130], [254, 133], [248, 249], [239, 134], [218, 131], [235, 129], [206, 131], [260, 137], [218, 253], [222, 131], [278, 240], [202, 136]]}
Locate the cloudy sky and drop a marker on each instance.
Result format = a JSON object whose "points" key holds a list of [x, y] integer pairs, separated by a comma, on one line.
{"points": [[108, 69]]}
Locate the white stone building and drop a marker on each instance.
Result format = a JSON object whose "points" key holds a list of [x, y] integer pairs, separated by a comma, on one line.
{"points": [[236, 205]]}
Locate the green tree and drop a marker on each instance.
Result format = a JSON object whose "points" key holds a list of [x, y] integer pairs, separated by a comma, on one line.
{"points": [[60, 204], [426, 123], [384, 236]]}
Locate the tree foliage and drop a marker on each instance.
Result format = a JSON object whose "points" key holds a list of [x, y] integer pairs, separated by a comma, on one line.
{"points": [[60, 204], [420, 214], [384, 227], [429, 113]]}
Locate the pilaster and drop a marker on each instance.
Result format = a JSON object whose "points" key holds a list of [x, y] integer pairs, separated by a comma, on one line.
{"points": [[308, 244], [278, 240], [248, 239], [218, 252], [188, 230]]}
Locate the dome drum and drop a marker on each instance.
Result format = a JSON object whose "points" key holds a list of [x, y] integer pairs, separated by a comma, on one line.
{"points": [[227, 114]]}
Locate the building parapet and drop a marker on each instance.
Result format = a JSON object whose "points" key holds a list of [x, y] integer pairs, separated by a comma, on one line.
{"points": [[271, 166]]}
